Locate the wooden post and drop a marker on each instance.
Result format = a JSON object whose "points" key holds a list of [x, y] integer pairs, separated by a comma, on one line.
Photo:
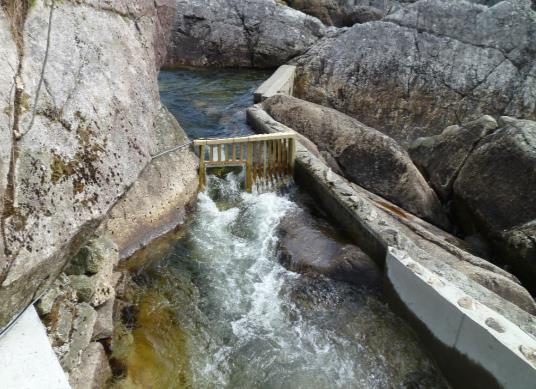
{"points": [[233, 155], [285, 157], [211, 153], [249, 177], [292, 152], [202, 169], [264, 147]]}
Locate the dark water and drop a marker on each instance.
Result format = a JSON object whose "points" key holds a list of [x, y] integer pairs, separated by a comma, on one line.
{"points": [[216, 309], [210, 103]]}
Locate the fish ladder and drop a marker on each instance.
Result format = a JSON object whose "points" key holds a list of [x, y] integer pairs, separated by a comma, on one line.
{"points": [[265, 157]]}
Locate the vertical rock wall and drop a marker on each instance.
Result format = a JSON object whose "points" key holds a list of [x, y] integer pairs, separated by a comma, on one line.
{"points": [[86, 104]]}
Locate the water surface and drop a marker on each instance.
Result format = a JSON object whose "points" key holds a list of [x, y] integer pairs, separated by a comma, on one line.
{"points": [[216, 309]]}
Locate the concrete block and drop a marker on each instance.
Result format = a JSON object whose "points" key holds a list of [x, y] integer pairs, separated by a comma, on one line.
{"points": [[27, 360], [282, 81], [484, 336], [412, 283]]}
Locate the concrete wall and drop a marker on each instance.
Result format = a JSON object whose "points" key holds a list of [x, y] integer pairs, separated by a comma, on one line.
{"points": [[464, 325], [282, 81], [27, 360]]}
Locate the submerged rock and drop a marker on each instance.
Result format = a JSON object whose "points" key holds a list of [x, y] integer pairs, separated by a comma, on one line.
{"points": [[311, 245], [426, 66], [366, 156], [252, 33]]}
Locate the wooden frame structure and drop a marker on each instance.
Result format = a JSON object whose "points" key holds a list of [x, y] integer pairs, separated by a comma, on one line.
{"points": [[265, 156]]}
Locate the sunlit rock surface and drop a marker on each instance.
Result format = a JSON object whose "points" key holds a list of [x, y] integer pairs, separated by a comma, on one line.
{"points": [[84, 130], [427, 66], [245, 33]]}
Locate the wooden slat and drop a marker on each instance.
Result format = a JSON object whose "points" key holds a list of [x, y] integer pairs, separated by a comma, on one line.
{"points": [[252, 138], [285, 156], [233, 155], [264, 167], [211, 153], [202, 170], [249, 177]]}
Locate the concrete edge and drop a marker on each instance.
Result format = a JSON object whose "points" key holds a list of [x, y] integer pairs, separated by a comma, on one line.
{"points": [[281, 81], [479, 356], [459, 322], [27, 359]]}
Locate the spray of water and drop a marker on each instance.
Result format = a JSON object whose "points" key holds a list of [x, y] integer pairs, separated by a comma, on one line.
{"points": [[250, 323]]}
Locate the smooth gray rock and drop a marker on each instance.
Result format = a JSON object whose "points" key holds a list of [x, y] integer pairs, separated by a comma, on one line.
{"points": [[429, 65], [251, 33], [84, 132], [440, 157], [366, 156], [494, 193], [94, 371]]}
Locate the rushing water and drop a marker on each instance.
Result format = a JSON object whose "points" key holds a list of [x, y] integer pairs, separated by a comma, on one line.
{"points": [[217, 309]]}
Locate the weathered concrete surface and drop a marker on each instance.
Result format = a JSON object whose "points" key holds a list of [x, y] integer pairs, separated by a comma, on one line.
{"points": [[376, 224], [463, 324], [366, 156], [282, 81], [83, 132], [250, 33], [429, 65], [26, 357], [158, 200]]}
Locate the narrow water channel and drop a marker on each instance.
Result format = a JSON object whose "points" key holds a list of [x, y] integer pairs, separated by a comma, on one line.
{"points": [[216, 309]]}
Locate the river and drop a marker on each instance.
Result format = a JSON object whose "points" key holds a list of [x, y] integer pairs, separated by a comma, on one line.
{"points": [[216, 309]]}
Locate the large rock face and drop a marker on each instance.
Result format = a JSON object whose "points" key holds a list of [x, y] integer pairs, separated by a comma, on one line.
{"points": [[366, 156], [441, 157], [8, 67], [83, 130], [494, 192], [169, 181], [487, 171], [428, 65], [251, 33]]}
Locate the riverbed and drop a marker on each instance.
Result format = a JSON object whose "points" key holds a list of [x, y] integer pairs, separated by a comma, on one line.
{"points": [[216, 308]]}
